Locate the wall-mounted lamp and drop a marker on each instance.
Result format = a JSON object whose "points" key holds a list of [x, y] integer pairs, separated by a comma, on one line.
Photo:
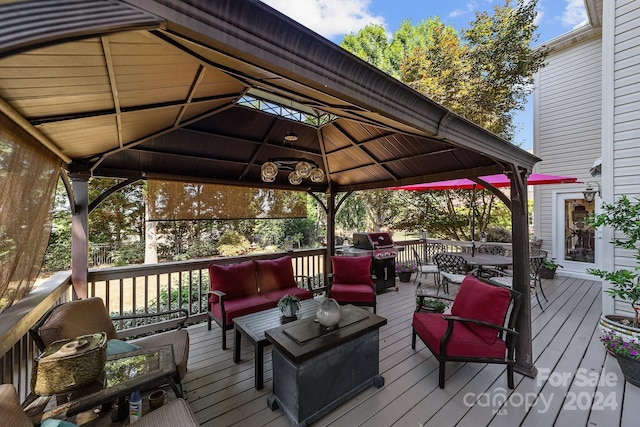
{"points": [[590, 193]]}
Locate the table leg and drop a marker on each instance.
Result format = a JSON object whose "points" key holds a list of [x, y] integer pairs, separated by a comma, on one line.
{"points": [[236, 346], [259, 366]]}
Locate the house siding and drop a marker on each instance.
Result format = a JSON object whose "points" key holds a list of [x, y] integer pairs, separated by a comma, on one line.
{"points": [[568, 113], [625, 119]]}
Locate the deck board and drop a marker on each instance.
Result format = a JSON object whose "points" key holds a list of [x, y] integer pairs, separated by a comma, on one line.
{"points": [[565, 341]]}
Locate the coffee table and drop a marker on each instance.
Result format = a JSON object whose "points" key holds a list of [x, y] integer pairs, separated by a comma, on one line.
{"points": [[315, 369], [253, 326], [123, 373]]}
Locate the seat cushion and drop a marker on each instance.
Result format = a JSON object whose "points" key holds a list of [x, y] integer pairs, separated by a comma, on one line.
{"points": [[236, 280], [429, 268], [11, 413], [75, 318], [276, 294], [452, 277], [482, 301], [173, 413], [463, 342], [178, 338], [352, 270], [275, 274], [503, 281], [352, 293], [118, 346], [241, 306]]}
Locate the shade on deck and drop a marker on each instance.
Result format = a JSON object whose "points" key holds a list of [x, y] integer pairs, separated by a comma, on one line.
{"points": [[566, 392]]}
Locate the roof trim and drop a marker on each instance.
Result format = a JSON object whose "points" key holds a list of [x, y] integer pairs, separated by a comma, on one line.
{"points": [[36, 23]]}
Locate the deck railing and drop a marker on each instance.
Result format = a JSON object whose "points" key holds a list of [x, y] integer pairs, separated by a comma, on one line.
{"points": [[140, 288]]}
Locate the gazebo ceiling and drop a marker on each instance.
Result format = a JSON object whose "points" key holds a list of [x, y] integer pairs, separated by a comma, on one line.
{"points": [[205, 91]]}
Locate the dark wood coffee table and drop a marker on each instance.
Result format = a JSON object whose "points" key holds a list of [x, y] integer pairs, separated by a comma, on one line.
{"points": [[253, 327]]}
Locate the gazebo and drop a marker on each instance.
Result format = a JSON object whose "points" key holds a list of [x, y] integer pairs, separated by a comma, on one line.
{"points": [[208, 92]]}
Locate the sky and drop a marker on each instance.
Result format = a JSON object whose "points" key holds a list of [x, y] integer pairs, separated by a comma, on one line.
{"points": [[335, 18]]}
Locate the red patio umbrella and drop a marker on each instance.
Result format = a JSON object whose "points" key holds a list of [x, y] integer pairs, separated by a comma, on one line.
{"points": [[499, 180]]}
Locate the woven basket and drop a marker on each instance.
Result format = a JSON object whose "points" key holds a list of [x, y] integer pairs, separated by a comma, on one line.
{"points": [[66, 365]]}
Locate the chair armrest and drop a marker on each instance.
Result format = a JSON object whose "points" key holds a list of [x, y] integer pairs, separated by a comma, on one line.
{"points": [[451, 319], [306, 279], [161, 313]]}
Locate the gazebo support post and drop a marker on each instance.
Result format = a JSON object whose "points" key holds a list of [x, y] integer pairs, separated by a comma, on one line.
{"points": [[80, 235], [520, 231]]}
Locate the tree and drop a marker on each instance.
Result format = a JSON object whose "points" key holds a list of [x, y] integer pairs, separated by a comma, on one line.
{"points": [[370, 44], [484, 73]]}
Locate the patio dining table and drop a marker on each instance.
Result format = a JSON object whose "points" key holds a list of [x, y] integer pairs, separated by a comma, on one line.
{"points": [[478, 260]]}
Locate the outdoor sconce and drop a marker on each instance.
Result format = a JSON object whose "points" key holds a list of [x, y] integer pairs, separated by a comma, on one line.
{"points": [[590, 193]]}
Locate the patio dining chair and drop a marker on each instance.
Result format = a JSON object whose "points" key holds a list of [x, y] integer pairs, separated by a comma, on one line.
{"points": [[480, 328], [425, 268], [452, 269], [505, 278]]}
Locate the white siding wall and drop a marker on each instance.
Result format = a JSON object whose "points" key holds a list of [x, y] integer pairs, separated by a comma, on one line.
{"points": [[568, 118], [625, 119]]}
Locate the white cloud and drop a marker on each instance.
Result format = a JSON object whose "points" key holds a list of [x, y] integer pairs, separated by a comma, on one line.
{"points": [[471, 8], [574, 13], [330, 18]]}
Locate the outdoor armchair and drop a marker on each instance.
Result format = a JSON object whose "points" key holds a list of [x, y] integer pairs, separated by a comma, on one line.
{"points": [[480, 328], [173, 413], [87, 316], [351, 282]]}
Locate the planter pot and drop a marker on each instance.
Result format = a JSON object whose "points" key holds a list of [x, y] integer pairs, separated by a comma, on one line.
{"points": [[289, 312], [612, 322], [404, 276], [546, 273], [630, 369]]}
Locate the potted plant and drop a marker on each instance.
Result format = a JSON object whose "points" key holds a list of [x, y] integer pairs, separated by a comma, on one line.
{"points": [[434, 305], [627, 354], [549, 267], [404, 270], [289, 305], [623, 216]]}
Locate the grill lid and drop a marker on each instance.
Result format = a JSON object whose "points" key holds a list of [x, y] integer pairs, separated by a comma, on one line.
{"points": [[372, 240]]}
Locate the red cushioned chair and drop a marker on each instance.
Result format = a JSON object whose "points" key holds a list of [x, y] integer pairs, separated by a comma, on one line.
{"points": [[351, 281], [480, 327]]}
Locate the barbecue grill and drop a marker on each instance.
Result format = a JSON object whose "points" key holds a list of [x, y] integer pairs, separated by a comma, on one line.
{"points": [[383, 253]]}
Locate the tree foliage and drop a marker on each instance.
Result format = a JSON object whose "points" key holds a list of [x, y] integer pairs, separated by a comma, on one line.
{"points": [[484, 73]]}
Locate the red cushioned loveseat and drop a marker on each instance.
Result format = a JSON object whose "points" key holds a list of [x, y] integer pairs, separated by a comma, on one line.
{"points": [[248, 287]]}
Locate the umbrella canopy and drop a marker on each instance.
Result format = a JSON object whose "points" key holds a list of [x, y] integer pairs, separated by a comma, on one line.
{"points": [[500, 180]]}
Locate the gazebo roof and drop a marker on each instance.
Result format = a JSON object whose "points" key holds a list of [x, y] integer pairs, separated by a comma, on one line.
{"points": [[205, 91]]}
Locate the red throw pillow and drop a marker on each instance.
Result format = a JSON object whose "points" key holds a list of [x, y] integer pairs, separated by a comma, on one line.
{"points": [[352, 270], [275, 274], [481, 301], [236, 280]]}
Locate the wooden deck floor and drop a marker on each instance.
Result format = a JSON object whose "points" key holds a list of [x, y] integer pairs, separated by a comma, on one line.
{"points": [[577, 384]]}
